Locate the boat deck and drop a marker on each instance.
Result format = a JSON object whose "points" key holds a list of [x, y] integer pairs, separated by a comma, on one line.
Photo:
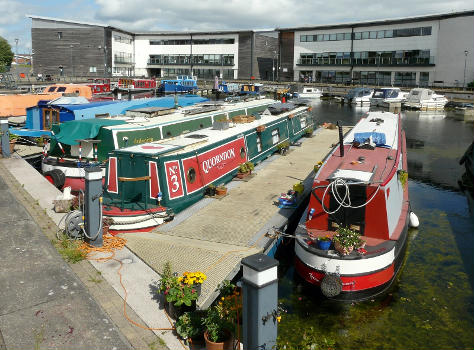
{"points": [[215, 234]]}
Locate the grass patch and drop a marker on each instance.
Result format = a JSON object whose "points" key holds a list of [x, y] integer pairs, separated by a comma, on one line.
{"points": [[157, 344], [69, 250], [97, 279]]}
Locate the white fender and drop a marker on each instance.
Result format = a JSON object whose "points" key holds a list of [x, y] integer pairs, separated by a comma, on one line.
{"points": [[413, 221]]}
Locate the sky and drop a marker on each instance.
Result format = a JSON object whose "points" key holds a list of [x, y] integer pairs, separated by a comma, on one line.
{"points": [[189, 15]]}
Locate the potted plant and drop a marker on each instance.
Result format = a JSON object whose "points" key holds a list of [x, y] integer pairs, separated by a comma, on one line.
{"points": [[260, 128], [217, 334], [245, 169], [221, 190], [283, 147], [168, 280], [210, 190], [346, 240], [194, 279], [181, 298], [402, 177], [324, 242], [317, 166], [189, 327], [308, 132]]}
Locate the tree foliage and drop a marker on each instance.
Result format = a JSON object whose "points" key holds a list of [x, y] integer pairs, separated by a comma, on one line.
{"points": [[6, 54]]}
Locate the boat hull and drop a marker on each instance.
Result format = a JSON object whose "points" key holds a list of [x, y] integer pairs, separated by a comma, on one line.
{"points": [[371, 277]]}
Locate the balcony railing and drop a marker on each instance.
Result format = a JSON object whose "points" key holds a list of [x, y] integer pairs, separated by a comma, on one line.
{"points": [[165, 62], [122, 60], [373, 61]]}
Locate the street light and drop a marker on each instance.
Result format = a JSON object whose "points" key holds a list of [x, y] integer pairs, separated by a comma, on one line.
{"points": [[16, 49], [273, 65], [465, 59]]}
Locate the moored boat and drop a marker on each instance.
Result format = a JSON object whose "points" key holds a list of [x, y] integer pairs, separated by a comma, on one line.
{"points": [[425, 99], [309, 92], [384, 97], [359, 200], [146, 184], [359, 96], [182, 84], [79, 144]]}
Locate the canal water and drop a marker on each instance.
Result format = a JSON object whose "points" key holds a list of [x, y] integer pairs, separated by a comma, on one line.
{"points": [[431, 306]]}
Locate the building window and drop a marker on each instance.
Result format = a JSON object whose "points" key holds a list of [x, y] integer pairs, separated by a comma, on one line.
{"points": [[60, 35], [381, 34], [388, 34], [303, 38], [372, 35], [426, 31], [92, 69], [275, 136], [357, 35]]}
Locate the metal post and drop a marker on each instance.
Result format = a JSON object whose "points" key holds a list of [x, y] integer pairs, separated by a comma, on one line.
{"points": [[5, 137], [93, 206], [465, 59], [260, 302], [341, 138]]}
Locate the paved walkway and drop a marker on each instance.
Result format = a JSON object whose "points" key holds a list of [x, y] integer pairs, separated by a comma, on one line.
{"points": [[45, 303], [216, 237]]}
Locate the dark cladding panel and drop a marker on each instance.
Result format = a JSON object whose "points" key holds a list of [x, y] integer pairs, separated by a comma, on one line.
{"points": [[287, 43], [245, 55], [74, 49]]}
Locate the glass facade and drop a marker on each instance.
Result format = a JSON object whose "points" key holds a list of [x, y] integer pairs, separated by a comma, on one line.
{"points": [[379, 34], [405, 78], [193, 42], [208, 60], [123, 57]]}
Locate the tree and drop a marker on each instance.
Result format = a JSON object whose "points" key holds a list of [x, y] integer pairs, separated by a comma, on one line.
{"points": [[6, 54]]}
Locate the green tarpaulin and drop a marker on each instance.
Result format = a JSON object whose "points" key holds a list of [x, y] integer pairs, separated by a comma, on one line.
{"points": [[82, 129]]}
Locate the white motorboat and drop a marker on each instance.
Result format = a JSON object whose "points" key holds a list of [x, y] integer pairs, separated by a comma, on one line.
{"points": [[383, 97], [309, 92], [420, 98], [359, 96]]}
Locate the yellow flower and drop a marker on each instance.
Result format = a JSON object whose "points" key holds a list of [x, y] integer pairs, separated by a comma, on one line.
{"points": [[278, 319]]}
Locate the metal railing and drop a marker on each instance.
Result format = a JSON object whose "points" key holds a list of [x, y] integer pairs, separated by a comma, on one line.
{"points": [[371, 61]]}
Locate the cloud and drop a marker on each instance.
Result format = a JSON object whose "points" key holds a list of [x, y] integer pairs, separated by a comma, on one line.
{"points": [[149, 15], [12, 12]]}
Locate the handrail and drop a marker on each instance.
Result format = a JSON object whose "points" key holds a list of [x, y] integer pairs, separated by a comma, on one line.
{"points": [[129, 179]]}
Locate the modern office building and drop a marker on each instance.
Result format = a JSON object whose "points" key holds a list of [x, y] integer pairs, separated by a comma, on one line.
{"points": [[423, 50], [63, 47]]}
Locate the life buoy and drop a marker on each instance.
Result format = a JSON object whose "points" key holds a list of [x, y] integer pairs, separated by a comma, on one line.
{"points": [[331, 286], [56, 177]]}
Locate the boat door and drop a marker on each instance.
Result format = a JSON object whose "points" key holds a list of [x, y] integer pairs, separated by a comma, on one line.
{"points": [[50, 117]]}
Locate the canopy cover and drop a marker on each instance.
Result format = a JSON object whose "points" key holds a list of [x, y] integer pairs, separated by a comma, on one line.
{"points": [[83, 129]]}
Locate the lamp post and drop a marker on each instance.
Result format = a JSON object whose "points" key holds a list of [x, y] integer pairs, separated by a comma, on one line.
{"points": [[273, 65], [465, 60], [72, 62], [16, 48]]}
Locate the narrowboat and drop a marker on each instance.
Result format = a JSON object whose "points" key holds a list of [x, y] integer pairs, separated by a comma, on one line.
{"points": [[228, 88], [12, 106], [425, 99], [359, 201], [129, 84], [250, 89], [182, 84], [80, 144], [147, 184]]}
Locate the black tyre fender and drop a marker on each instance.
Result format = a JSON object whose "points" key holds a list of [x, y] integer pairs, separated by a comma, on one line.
{"points": [[56, 177], [331, 286]]}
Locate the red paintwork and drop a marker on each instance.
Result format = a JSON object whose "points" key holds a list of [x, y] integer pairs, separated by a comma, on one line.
{"points": [[213, 164], [349, 283], [99, 86], [112, 180], [137, 83], [173, 178], [115, 211], [154, 182], [376, 222]]}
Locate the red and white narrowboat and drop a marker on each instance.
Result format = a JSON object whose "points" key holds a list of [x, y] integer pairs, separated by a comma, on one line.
{"points": [[130, 84], [360, 188]]}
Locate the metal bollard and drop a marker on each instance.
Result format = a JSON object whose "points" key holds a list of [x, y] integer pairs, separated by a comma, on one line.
{"points": [[260, 302], [5, 144], [93, 206]]}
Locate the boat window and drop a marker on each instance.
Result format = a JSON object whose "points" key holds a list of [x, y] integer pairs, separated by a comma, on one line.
{"points": [[259, 143], [61, 89], [191, 175], [51, 89], [414, 93], [242, 153], [303, 122], [275, 136]]}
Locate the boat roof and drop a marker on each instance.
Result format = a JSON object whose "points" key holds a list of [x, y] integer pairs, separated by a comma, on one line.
{"points": [[201, 138], [361, 164], [181, 114]]}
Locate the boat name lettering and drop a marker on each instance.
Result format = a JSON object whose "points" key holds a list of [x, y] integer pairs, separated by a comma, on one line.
{"points": [[212, 162], [140, 140], [173, 171]]}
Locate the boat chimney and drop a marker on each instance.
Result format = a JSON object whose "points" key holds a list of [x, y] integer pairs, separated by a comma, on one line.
{"points": [[341, 139]]}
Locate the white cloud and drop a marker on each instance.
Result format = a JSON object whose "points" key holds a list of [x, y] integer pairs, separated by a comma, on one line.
{"points": [[12, 12], [147, 15]]}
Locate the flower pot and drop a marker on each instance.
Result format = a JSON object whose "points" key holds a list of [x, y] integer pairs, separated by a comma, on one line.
{"points": [[197, 342], [175, 311], [324, 245], [210, 191], [343, 250], [225, 345], [242, 175], [221, 191]]}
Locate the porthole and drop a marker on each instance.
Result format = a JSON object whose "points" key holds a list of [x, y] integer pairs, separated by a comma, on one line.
{"points": [[191, 175], [168, 133], [242, 153]]}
